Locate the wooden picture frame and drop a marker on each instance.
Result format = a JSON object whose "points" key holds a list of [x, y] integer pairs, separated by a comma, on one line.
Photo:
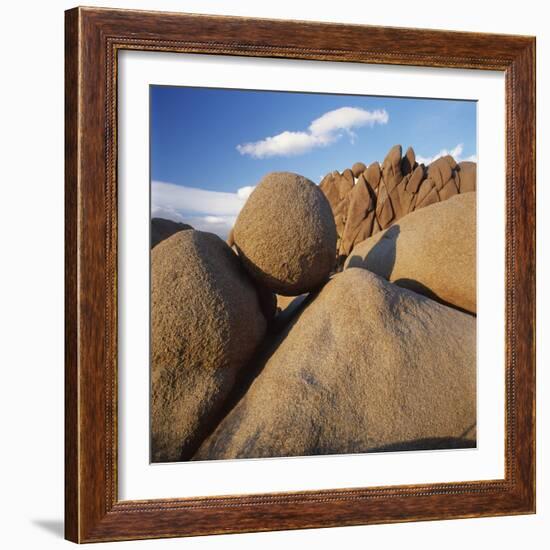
{"points": [[93, 511]]}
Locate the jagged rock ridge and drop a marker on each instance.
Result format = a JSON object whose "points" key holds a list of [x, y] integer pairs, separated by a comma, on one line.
{"points": [[364, 203]]}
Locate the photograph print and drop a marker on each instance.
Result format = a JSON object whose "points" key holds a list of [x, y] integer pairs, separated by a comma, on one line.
{"points": [[313, 274]]}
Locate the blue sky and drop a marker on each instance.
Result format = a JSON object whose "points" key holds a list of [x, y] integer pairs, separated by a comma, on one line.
{"points": [[209, 147]]}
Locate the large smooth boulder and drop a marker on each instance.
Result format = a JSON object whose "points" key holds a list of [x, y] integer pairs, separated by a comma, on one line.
{"points": [[286, 235], [206, 323], [431, 251], [365, 366]]}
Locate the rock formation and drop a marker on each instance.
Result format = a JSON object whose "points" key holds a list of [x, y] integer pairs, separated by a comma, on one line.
{"points": [[467, 176], [162, 229], [390, 191], [285, 234], [206, 323], [431, 251], [357, 169], [379, 356], [365, 366]]}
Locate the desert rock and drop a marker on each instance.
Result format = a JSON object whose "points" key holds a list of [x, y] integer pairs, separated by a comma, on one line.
{"points": [[365, 366], [399, 186], [358, 168], [361, 204], [431, 251], [408, 163], [286, 234], [467, 176], [373, 175], [391, 167], [162, 229], [206, 323]]}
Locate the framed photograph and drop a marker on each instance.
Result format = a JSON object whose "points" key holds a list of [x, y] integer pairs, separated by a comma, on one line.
{"points": [[300, 275]]}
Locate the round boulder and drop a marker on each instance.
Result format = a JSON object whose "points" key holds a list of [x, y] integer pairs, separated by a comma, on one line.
{"points": [[286, 235], [206, 322]]}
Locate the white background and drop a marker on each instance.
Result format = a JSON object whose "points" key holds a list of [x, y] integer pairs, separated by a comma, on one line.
{"points": [[140, 480], [31, 305]]}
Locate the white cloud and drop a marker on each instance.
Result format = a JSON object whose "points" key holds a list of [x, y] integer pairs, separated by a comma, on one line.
{"points": [[213, 211], [244, 192], [166, 212], [346, 118], [323, 131], [285, 144], [456, 153], [220, 225]]}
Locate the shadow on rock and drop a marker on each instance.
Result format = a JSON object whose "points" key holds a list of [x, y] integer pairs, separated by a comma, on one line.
{"points": [[428, 444], [381, 258], [423, 290], [276, 333]]}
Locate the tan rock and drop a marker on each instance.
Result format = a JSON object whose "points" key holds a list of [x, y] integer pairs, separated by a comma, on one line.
{"points": [[286, 234], [384, 208], [467, 173], [431, 198], [358, 168], [401, 198], [424, 190], [330, 189], [391, 168], [347, 175], [336, 188], [398, 187], [449, 190], [416, 178], [440, 171], [451, 161], [408, 163], [289, 307], [373, 175], [206, 323], [162, 228], [431, 251], [361, 203], [365, 366], [365, 229], [284, 301], [375, 226], [341, 216]]}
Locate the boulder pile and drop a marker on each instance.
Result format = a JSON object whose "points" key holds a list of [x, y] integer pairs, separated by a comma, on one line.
{"points": [[367, 365], [368, 201], [264, 346]]}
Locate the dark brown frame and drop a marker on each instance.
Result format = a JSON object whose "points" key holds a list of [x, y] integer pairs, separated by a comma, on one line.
{"points": [[93, 38]]}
